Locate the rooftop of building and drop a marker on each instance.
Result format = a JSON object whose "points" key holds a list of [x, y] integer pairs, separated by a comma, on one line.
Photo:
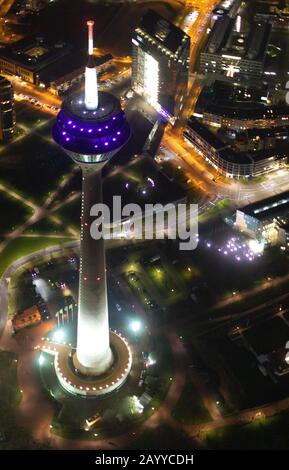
{"points": [[278, 7], [236, 101], [243, 40], [35, 52], [246, 112], [279, 132], [71, 62], [225, 91], [268, 207], [225, 6], [31, 311], [163, 32], [226, 152]]}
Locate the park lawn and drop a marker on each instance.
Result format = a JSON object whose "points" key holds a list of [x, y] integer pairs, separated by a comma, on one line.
{"points": [[190, 408], [258, 180], [258, 299], [12, 213], [33, 166], [10, 395], [263, 433], [162, 437], [70, 213], [46, 227], [26, 246], [216, 210], [13, 437]]}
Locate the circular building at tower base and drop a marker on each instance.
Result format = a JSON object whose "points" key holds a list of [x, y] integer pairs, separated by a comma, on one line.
{"points": [[88, 386]]}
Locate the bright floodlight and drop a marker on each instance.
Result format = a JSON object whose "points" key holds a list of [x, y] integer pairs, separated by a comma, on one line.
{"points": [[256, 247], [58, 336], [287, 358], [135, 326], [151, 361], [41, 360]]}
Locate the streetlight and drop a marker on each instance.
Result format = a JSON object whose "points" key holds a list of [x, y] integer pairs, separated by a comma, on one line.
{"points": [[135, 326], [41, 360], [58, 336]]}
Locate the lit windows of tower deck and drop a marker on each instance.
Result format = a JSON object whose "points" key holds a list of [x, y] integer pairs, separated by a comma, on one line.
{"points": [[91, 129]]}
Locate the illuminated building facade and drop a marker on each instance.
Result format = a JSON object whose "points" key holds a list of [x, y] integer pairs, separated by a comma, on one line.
{"points": [[243, 119], [235, 49], [267, 220], [160, 63], [226, 160], [7, 113], [30, 316], [226, 7], [91, 129]]}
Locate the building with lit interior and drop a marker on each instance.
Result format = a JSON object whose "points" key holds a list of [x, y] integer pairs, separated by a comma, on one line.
{"points": [[29, 56], [30, 316], [91, 128], [266, 220], [236, 48], [160, 63], [55, 65], [7, 112], [240, 107], [224, 158]]}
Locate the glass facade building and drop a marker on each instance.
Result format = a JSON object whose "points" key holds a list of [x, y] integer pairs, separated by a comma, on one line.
{"points": [[160, 66]]}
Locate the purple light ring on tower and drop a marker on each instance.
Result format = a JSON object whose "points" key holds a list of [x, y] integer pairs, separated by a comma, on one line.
{"points": [[91, 145]]}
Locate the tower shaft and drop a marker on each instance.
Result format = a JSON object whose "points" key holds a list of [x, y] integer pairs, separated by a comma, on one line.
{"points": [[93, 354]]}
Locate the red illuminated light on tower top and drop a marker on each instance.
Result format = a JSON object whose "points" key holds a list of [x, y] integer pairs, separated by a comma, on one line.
{"points": [[90, 24]]}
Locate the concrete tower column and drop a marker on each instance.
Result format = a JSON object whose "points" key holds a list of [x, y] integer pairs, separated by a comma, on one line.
{"points": [[93, 354]]}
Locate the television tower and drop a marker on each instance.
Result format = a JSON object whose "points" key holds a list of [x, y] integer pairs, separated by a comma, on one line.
{"points": [[91, 129]]}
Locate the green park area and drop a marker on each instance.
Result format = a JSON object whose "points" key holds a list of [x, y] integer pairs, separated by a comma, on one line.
{"points": [[269, 294], [155, 280], [47, 227], [70, 213], [118, 413], [25, 246], [162, 437], [215, 210], [141, 182], [12, 213], [269, 433], [33, 164], [190, 408]]}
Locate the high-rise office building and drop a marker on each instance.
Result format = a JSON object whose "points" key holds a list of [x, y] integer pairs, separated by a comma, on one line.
{"points": [[7, 113], [160, 66]]}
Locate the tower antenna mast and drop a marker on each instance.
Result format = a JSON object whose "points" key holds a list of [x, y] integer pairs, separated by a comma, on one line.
{"points": [[91, 91]]}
